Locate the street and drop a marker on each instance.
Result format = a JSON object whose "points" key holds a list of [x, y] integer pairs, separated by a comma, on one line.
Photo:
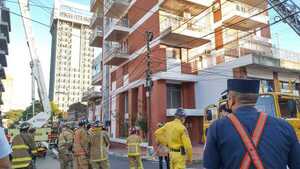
{"points": [[116, 163]]}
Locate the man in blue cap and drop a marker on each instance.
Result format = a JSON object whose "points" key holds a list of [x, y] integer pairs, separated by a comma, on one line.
{"points": [[247, 138]]}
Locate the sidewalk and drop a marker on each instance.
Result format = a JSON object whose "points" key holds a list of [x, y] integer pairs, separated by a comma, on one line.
{"points": [[119, 148]]}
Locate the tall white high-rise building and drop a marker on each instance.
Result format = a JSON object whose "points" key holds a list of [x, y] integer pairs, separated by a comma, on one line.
{"points": [[71, 55]]}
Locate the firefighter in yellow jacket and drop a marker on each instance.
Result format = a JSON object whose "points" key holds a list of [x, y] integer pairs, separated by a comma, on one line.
{"points": [[65, 144], [134, 150], [80, 147], [24, 148], [174, 135], [99, 144]]}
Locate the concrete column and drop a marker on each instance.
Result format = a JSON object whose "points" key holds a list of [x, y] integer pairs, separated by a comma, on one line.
{"points": [[120, 115], [240, 73], [188, 95], [141, 108], [158, 105], [276, 82], [132, 106]]}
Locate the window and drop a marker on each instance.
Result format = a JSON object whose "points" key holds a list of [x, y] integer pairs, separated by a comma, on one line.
{"points": [[173, 96], [173, 53], [265, 103]]}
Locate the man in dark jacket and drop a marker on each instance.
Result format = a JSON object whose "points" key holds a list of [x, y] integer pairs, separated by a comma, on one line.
{"points": [[260, 141]]}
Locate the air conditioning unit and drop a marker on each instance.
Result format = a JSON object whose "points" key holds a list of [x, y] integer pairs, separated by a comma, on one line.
{"points": [[207, 52]]}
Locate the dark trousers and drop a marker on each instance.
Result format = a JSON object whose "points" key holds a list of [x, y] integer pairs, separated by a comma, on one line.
{"points": [[167, 160]]}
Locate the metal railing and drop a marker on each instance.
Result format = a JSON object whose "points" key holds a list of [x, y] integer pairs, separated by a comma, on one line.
{"points": [[111, 23], [245, 47], [176, 22], [114, 48], [108, 3], [96, 33], [231, 7], [94, 18]]}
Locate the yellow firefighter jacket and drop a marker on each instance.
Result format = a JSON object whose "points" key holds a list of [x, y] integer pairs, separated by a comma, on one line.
{"points": [[133, 144], [80, 146], [23, 147], [99, 143], [174, 135]]}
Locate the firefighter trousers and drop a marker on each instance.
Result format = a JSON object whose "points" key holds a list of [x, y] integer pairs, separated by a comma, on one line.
{"points": [[81, 162], [135, 162], [177, 160], [104, 164]]}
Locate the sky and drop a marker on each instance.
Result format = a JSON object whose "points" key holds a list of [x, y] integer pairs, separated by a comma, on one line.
{"points": [[18, 58]]}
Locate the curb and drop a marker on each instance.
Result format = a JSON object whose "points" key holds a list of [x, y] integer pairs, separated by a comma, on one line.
{"points": [[147, 158]]}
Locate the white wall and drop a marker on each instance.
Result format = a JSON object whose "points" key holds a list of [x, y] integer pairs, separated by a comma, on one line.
{"points": [[211, 83]]}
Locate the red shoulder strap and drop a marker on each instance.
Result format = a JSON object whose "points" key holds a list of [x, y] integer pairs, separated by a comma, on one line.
{"points": [[250, 144], [256, 135]]}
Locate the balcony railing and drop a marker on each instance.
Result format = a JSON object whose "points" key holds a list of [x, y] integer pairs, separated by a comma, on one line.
{"points": [[115, 48], [179, 23], [96, 37], [242, 16], [116, 8], [111, 23], [92, 93], [97, 20], [245, 47]]}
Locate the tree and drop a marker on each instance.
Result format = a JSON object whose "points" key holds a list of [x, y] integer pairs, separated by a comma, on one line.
{"points": [[78, 109], [13, 115], [27, 114]]}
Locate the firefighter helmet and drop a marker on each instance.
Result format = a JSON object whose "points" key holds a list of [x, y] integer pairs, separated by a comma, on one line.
{"points": [[25, 126]]}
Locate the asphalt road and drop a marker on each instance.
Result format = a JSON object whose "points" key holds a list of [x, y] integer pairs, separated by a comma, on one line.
{"points": [[116, 163]]}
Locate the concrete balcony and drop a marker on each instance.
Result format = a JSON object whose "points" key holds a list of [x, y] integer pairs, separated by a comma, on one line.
{"points": [[189, 112], [175, 32], [240, 16], [96, 21], [92, 93], [3, 60], [97, 70], [116, 54], [117, 30], [239, 48], [5, 28], [3, 44], [194, 7], [116, 8], [96, 38], [257, 3], [95, 4], [5, 16], [97, 78]]}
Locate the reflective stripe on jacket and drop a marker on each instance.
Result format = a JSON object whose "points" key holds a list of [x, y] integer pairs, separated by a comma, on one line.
{"points": [[99, 142], [20, 157], [133, 144]]}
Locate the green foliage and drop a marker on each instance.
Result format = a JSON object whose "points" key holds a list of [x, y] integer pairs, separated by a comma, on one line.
{"points": [[27, 114], [13, 115], [142, 123]]}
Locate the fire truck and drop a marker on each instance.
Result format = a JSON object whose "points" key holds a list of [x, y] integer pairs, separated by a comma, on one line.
{"points": [[284, 104]]}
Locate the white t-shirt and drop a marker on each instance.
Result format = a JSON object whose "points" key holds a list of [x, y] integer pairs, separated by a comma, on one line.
{"points": [[5, 149]]}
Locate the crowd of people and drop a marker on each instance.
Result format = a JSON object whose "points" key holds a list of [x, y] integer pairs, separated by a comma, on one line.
{"points": [[244, 138]]}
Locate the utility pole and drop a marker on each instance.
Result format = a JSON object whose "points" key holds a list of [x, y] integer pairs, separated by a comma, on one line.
{"points": [[149, 83]]}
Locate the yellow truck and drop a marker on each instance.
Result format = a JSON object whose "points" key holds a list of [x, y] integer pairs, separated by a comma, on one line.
{"points": [[41, 134], [275, 104]]}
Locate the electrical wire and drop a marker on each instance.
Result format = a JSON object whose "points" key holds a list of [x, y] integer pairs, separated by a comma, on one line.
{"points": [[227, 76], [43, 24]]}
